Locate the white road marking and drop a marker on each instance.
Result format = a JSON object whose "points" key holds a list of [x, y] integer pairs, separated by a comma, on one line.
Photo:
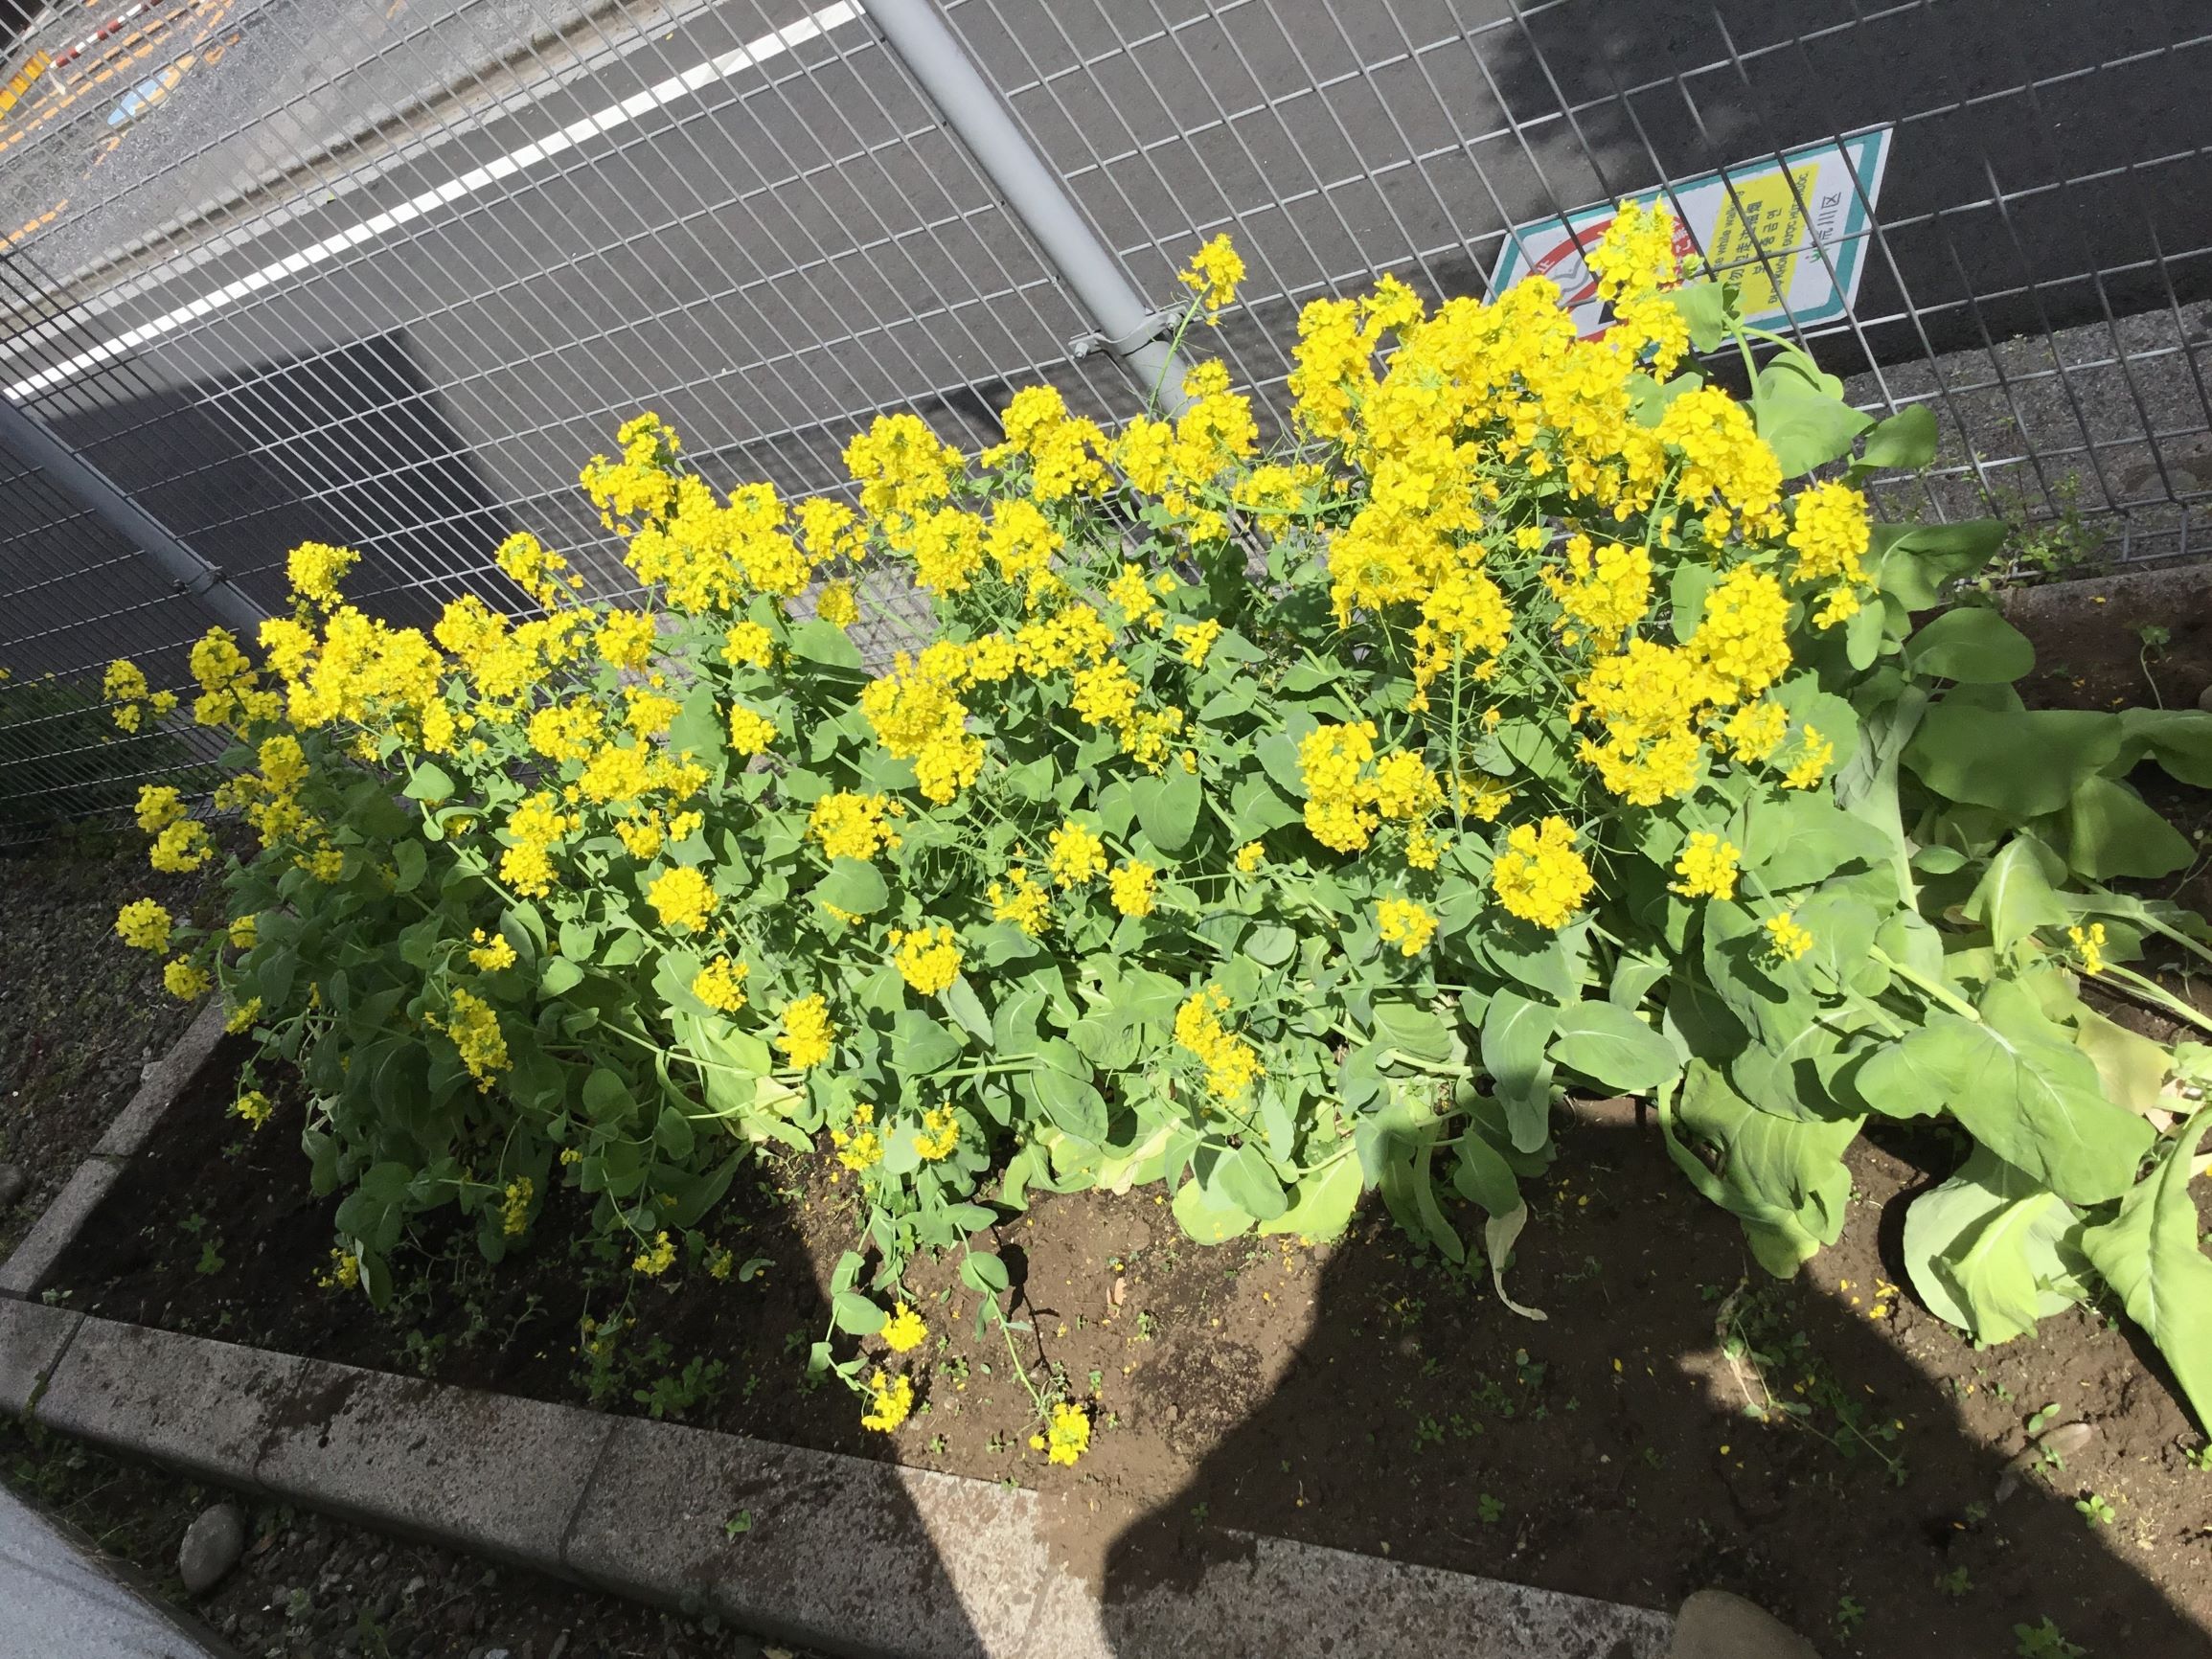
{"points": [[658, 96]]}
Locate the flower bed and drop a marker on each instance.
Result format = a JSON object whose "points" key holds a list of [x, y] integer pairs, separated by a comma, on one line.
{"points": [[1273, 828]]}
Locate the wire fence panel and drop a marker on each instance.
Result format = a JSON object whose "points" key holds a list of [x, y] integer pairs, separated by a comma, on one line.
{"points": [[286, 271]]}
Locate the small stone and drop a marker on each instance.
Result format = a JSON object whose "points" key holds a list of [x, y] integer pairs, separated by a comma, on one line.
{"points": [[2205, 699], [11, 1185], [211, 1547], [1714, 1624]]}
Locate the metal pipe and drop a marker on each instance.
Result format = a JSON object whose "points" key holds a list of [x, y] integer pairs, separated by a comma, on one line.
{"points": [[30, 442], [1133, 331]]}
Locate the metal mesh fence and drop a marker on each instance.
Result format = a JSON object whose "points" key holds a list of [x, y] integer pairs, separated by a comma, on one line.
{"points": [[286, 270]]}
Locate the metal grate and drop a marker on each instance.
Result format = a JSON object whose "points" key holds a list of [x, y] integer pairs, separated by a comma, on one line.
{"points": [[288, 270]]}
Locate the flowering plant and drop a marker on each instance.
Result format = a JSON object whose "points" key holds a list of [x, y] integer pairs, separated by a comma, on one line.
{"points": [[1273, 826]]}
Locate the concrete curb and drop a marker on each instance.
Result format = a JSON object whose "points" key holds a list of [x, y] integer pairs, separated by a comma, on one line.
{"points": [[25, 1271], [840, 1554]]}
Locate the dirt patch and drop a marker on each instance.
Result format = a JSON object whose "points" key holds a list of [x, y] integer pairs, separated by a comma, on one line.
{"points": [[80, 1014], [1358, 1395]]}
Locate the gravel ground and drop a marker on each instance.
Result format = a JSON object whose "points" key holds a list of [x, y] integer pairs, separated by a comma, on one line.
{"points": [[80, 1014]]}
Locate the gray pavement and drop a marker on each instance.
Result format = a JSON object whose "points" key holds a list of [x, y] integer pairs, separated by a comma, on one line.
{"points": [[59, 1599]]}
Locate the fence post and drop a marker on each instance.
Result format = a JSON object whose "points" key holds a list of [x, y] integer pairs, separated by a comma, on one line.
{"points": [[27, 438], [1129, 328]]}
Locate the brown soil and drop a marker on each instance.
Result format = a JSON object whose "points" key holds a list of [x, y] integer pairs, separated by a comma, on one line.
{"points": [[1352, 1396]]}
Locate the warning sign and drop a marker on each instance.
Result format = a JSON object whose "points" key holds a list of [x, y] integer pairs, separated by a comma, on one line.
{"points": [[1793, 231]]}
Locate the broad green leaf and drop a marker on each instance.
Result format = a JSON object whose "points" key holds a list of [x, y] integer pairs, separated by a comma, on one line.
{"points": [[1983, 1249], [1903, 443], [428, 781], [1205, 1218], [1801, 838], [2014, 898], [1072, 1104], [981, 1270], [557, 974], [1705, 311], [1515, 1034], [1245, 1179], [2022, 765], [1270, 943], [1612, 1047], [1484, 1177], [1321, 1203], [959, 1000], [2178, 739], [1498, 1234], [1781, 1177], [824, 643], [408, 863], [1973, 644], [919, 1045], [2148, 1253], [1168, 808], [1771, 998], [1801, 415], [2131, 1067], [856, 1315], [853, 884], [1911, 563], [1412, 1029], [2111, 832]]}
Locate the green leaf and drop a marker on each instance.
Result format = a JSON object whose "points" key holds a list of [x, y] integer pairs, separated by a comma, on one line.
{"points": [[1074, 1106], [1903, 443], [1321, 1204], [1612, 1046], [2111, 832], [1801, 415], [2024, 764], [1168, 808], [1412, 1029], [1515, 1034], [2149, 1254], [1911, 563], [982, 1271], [959, 1000], [1800, 838], [919, 1045], [1270, 943], [1206, 1217], [853, 884], [1245, 1179], [1983, 1249], [856, 1315], [557, 974], [2013, 897], [428, 781], [824, 643], [2178, 739], [1972, 644], [1705, 311], [2021, 1088], [409, 862], [1781, 1177]]}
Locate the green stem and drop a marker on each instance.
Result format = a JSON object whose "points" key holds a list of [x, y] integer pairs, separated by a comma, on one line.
{"points": [[1936, 988], [2152, 992]]}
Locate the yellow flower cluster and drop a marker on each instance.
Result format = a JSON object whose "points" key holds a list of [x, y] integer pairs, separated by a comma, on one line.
{"points": [[890, 1400], [851, 825], [1707, 866], [1074, 855], [474, 1025], [1232, 1064], [1407, 925], [721, 985], [1345, 801], [927, 959], [1213, 274], [1133, 886], [1786, 939], [938, 1136], [1020, 901], [1539, 876], [807, 1033], [656, 1258], [492, 954], [1066, 1434], [515, 1206], [144, 924], [904, 1331], [253, 1108], [682, 898]]}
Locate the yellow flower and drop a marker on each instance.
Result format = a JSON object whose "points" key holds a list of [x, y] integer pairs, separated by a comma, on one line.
{"points": [[475, 1028], [656, 1258], [721, 985], [625, 638], [1250, 856], [254, 1107], [185, 980], [1812, 762], [181, 845], [1232, 1064], [243, 931], [749, 644], [159, 806], [1213, 274], [515, 1206], [838, 604], [807, 1033], [751, 733], [851, 825], [1424, 851], [857, 1152], [1198, 641], [345, 1272], [939, 1134], [1134, 595], [1707, 868], [927, 959], [1339, 802], [242, 1017], [1405, 924], [1756, 730], [1020, 901], [493, 954], [904, 1331], [1067, 1435], [2090, 944], [1785, 938], [1132, 887], [889, 1401], [316, 568], [144, 924], [1074, 855], [683, 897], [1405, 788], [1541, 878]]}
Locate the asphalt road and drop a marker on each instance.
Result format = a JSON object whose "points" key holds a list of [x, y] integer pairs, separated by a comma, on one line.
{"points": [[770, 247]]}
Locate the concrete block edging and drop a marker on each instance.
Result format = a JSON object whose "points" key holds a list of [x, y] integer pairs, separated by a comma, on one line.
{"points": [[841, 1553]]}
